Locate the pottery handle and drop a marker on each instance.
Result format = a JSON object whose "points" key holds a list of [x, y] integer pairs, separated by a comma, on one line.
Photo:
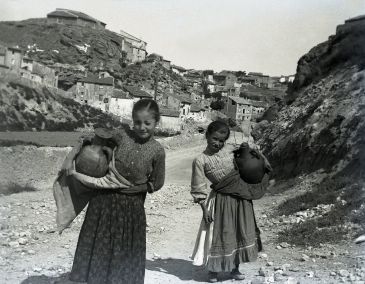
{"points": [[108, 152]]}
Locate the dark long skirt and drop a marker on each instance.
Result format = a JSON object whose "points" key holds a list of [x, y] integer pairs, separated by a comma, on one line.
{"points": [[112, 242]]}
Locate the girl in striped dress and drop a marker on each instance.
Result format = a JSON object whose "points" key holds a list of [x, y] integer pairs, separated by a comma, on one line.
{"points": [[228, 234]]}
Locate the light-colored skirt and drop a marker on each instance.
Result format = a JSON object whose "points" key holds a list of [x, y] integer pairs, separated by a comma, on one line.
{"points": [[231, 238]]}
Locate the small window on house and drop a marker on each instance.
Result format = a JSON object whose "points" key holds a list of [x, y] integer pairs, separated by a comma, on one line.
{"points": [[183, 111], [100, 97], [106, 100], [243, 111]]}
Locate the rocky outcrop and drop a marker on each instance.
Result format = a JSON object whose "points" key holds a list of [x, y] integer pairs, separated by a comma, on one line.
{"points": [[321, 125], [25, 106]]}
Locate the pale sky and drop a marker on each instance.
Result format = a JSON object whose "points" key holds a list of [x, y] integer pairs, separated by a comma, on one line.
{"points": [[250, 35]]}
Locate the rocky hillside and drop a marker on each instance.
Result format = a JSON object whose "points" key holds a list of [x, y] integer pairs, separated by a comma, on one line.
{"points": [[322, 123], [315, 140], [82, 48], [26, 107]]}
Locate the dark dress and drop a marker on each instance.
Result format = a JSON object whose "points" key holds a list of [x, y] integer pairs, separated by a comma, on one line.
{"points": [[112, 242]]}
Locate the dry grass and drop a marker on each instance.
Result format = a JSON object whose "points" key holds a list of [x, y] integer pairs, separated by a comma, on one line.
{"points": [[42, 138], [330, 227], [12, 188], [10, 143]]}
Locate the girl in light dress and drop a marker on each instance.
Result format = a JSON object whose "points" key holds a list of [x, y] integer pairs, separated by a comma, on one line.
{"points": [[228, 234]]}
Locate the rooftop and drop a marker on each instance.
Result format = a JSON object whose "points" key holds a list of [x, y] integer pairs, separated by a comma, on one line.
{"points": [[258, 103], [14, 48], [66, 13], [239, 100], [169, 112], [119, 94], [136, 92], [196, 108], [181, 69], [181, 98], [98, 81]]}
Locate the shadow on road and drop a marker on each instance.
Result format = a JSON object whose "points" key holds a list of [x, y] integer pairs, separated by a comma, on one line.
{"points": [[182, 269], [43, 279]]}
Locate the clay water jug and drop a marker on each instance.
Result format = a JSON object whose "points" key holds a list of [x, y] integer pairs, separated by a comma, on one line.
{"points": [[250, 164], [93, 159]]}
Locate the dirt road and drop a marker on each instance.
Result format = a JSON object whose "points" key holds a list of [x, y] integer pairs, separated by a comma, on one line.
{"points": [[32, 252]]}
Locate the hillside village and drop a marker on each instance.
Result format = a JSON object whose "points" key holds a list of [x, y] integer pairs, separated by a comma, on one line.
{"points": [[64, 75], [182, 94]]}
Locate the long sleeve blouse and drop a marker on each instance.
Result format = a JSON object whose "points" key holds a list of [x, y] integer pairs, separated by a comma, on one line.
{"points": [[141, 162], [220, 170]]}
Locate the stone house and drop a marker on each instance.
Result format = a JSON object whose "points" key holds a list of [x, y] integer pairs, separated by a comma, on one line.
{"points": [[74, 69], [170, 119], [134, 47], [2, 55], [258, 108], [177, 102], [261, 80], [208, 75], [230, 80], [11, 57], [95, 91], [219, 79], [209, 86], [33, 76], [238, 108], [121, 104], [70, 17], [166, 64], [286, 79], [38, 72]]}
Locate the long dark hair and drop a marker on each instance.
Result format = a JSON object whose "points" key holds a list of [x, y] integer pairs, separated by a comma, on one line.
{"points": [[149, 105]]}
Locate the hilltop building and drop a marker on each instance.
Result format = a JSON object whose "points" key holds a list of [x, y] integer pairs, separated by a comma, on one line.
{"points": [[135, 47], [66, 16]]}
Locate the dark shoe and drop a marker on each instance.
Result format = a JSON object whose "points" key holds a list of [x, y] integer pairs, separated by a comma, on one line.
{"points": [[212, 277], [237, 275]]}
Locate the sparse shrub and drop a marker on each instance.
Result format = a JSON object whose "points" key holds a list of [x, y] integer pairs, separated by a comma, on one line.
{"points": [[13, 187], [10, 143], [328, 227], [28, 94], [49, 108]]}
